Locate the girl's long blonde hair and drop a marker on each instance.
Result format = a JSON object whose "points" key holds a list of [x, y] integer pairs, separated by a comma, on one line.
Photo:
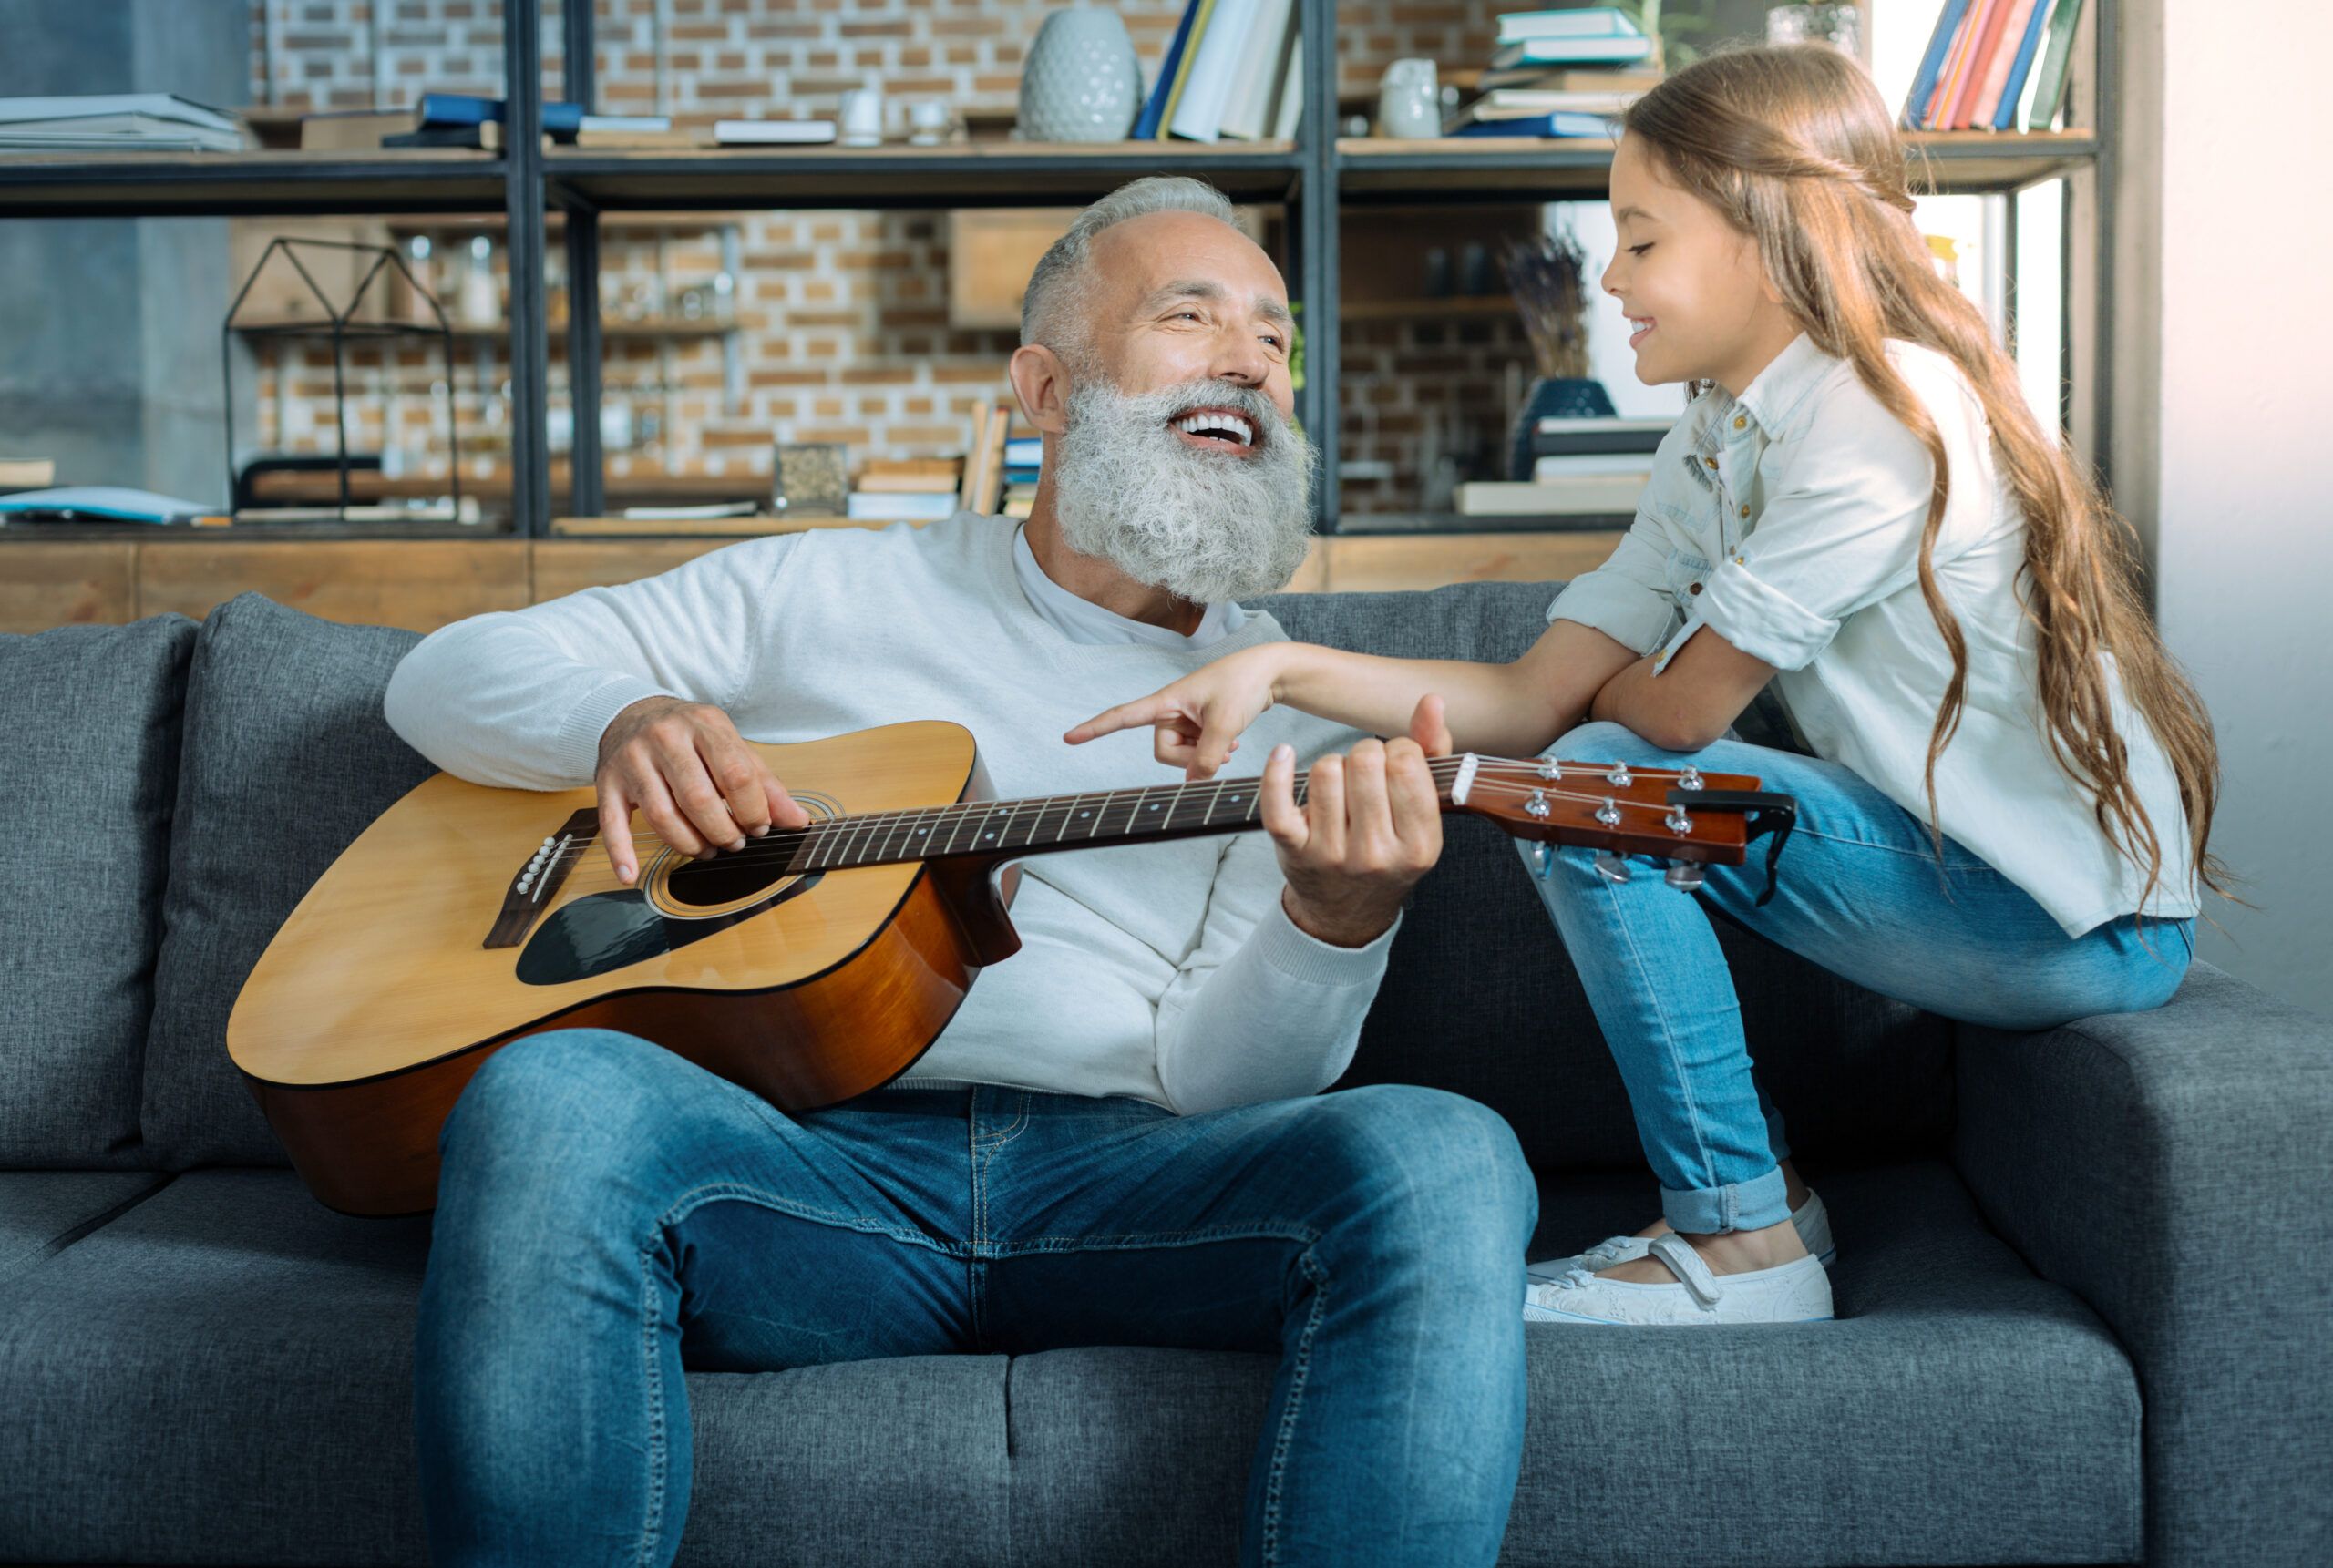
{"points": [[1792, 145]]}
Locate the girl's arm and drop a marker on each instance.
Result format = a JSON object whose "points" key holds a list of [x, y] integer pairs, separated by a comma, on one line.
{"points": [[1683, 701], [1505, 710]]}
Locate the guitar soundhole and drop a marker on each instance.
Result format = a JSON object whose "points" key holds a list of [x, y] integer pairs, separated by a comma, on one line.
{"points": [[748, 872], [742, 874]]}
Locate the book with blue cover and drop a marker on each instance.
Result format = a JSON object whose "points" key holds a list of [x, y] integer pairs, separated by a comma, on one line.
{"points": [[1559, 123], [2005, 117], [1948, 25], [1146, 125], [560, 120]]}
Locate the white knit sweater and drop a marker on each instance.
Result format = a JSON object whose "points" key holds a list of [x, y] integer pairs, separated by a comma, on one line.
{"points": [[1168, 972]]}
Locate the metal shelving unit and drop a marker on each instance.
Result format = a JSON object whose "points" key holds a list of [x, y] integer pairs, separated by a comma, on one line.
{"points": [[1313, 179]]}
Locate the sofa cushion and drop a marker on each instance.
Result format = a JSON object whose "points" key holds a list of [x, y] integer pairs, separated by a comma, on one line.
{"points": [[89, 770], [287, 758], [228, 1365], [224, 1374], [1480, 1000], [1961, 1410], [42, 1213]]}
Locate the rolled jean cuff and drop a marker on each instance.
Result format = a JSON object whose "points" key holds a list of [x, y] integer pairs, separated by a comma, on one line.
{"points": [[1748, 1206]]}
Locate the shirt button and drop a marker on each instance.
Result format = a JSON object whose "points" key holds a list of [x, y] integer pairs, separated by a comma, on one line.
{"points": [[1740, 422], [1745, 510], [1710, 461], [1696, 587]]}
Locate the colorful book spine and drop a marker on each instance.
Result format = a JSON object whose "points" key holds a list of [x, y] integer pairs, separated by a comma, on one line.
{"points": [[2005, 112], [1915, 102], [1989, 99], [1980, 61], [1938, 113]]}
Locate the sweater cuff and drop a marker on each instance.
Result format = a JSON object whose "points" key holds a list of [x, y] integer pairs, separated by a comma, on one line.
{"points": [[1286, 947], [578, 738]]}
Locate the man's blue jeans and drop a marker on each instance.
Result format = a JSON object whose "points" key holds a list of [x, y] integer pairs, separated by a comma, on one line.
{"points": [[1864, 894], [609, 1213]]}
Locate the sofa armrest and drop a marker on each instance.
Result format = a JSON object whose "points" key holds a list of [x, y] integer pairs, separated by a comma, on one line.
{"points": [[2173, 1169]]}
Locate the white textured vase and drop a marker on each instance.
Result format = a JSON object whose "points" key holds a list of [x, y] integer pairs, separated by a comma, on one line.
{"points": [[1081, 82]]}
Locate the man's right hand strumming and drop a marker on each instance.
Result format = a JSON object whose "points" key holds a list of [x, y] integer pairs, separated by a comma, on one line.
{"points": [[686, 769]]}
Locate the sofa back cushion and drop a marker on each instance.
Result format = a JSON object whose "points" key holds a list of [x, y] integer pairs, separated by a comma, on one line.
{"points": [[1479, 998], [89, 721], [287, 758]]}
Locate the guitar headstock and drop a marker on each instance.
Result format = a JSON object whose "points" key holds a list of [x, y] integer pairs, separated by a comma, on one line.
{"points": [[1626, 809]]}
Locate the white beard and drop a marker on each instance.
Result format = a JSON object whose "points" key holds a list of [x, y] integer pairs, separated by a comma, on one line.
{"points": [[1206, 527]]}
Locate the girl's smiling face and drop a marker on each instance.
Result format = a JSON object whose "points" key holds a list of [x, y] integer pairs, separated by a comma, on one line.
{"points": [[1698, 305]]}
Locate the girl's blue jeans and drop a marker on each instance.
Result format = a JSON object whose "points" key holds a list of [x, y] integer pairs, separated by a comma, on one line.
{"points": [[1863, 893], [611, 1216]]}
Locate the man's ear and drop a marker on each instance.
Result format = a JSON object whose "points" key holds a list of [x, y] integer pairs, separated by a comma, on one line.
{"points": [[1041, 382]]}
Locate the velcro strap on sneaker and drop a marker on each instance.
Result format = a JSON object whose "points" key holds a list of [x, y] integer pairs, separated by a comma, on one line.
{"points": [[1686, 1264]]}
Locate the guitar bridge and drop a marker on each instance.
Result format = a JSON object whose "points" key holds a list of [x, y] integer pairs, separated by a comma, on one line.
{"points": [[546, 870]]}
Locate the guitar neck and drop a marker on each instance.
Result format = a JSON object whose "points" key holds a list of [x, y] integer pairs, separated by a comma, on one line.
{"points": [[985, 829]]}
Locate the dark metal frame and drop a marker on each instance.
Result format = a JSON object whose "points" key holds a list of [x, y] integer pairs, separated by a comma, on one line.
{"points": [[1314, 182]]}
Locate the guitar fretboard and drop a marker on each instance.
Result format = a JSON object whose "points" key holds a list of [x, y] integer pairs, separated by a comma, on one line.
{"points": [[1032, 825]]}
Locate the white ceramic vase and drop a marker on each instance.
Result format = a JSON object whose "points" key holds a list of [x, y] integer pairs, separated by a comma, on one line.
{"points": [[1080, 82]]}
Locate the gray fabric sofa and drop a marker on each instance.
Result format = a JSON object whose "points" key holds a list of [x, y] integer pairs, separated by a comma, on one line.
{"points": [[2085, 1279]]}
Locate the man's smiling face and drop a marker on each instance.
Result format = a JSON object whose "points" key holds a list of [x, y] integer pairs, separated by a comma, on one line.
{"points": [[1177, 460], [1181, 298]]}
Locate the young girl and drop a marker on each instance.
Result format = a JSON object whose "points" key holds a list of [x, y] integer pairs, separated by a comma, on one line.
{"points": [[2005, 815]]}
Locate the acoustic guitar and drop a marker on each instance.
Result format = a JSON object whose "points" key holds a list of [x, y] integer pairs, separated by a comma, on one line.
{"points": [[809, 966]]}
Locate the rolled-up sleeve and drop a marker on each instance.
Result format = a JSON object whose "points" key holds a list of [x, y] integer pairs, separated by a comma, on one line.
{"points": [[1627, 597], [1841, 528]]}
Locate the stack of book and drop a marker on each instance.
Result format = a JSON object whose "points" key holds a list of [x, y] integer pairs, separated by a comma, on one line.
{"points": [[913, 489], [772, 132], [1580, 468], [1559, 74], [462, 120], [987, 461], [1993, 63], [117, 122], [1234, 68]]}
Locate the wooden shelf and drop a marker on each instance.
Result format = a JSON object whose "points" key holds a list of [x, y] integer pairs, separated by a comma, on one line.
{"points": [[978, 174], [1527, 168], [312, 488]]}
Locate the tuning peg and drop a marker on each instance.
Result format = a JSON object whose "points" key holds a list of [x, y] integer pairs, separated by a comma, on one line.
{"points": [[1610, 867], [1685, 876], [1543, 860]]}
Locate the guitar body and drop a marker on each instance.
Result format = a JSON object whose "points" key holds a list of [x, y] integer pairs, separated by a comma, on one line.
{"points": [[383, 992]]}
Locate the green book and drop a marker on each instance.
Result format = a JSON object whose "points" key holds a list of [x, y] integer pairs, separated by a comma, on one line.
{"points": [[2051, 88]]}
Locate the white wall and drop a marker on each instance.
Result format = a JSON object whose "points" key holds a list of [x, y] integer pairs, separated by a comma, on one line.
{"points": [[2221, 441]]}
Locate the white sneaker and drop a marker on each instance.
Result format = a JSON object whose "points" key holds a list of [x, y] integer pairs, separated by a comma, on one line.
{"points": [[1813, 1220], [1797, 1292]]}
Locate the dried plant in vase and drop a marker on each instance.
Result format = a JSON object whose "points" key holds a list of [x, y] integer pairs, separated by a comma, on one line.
{"points": [[1547, 275]]}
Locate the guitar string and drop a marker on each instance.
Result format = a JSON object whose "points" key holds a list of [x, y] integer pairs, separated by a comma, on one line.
{"points": [[958, 813], [954, 816]]}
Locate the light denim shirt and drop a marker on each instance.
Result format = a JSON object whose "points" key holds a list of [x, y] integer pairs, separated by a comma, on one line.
{"points": [[1788, 521]]}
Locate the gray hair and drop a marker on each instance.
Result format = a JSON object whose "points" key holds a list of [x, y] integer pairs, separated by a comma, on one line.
{"points": [[1052, 310]]}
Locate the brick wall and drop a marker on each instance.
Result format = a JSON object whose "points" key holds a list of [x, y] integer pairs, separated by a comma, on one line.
{"points": [[843, 314]]}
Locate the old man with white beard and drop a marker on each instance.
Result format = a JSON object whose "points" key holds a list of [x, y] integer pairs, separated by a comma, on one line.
{"points": [[1120, 1138]]}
